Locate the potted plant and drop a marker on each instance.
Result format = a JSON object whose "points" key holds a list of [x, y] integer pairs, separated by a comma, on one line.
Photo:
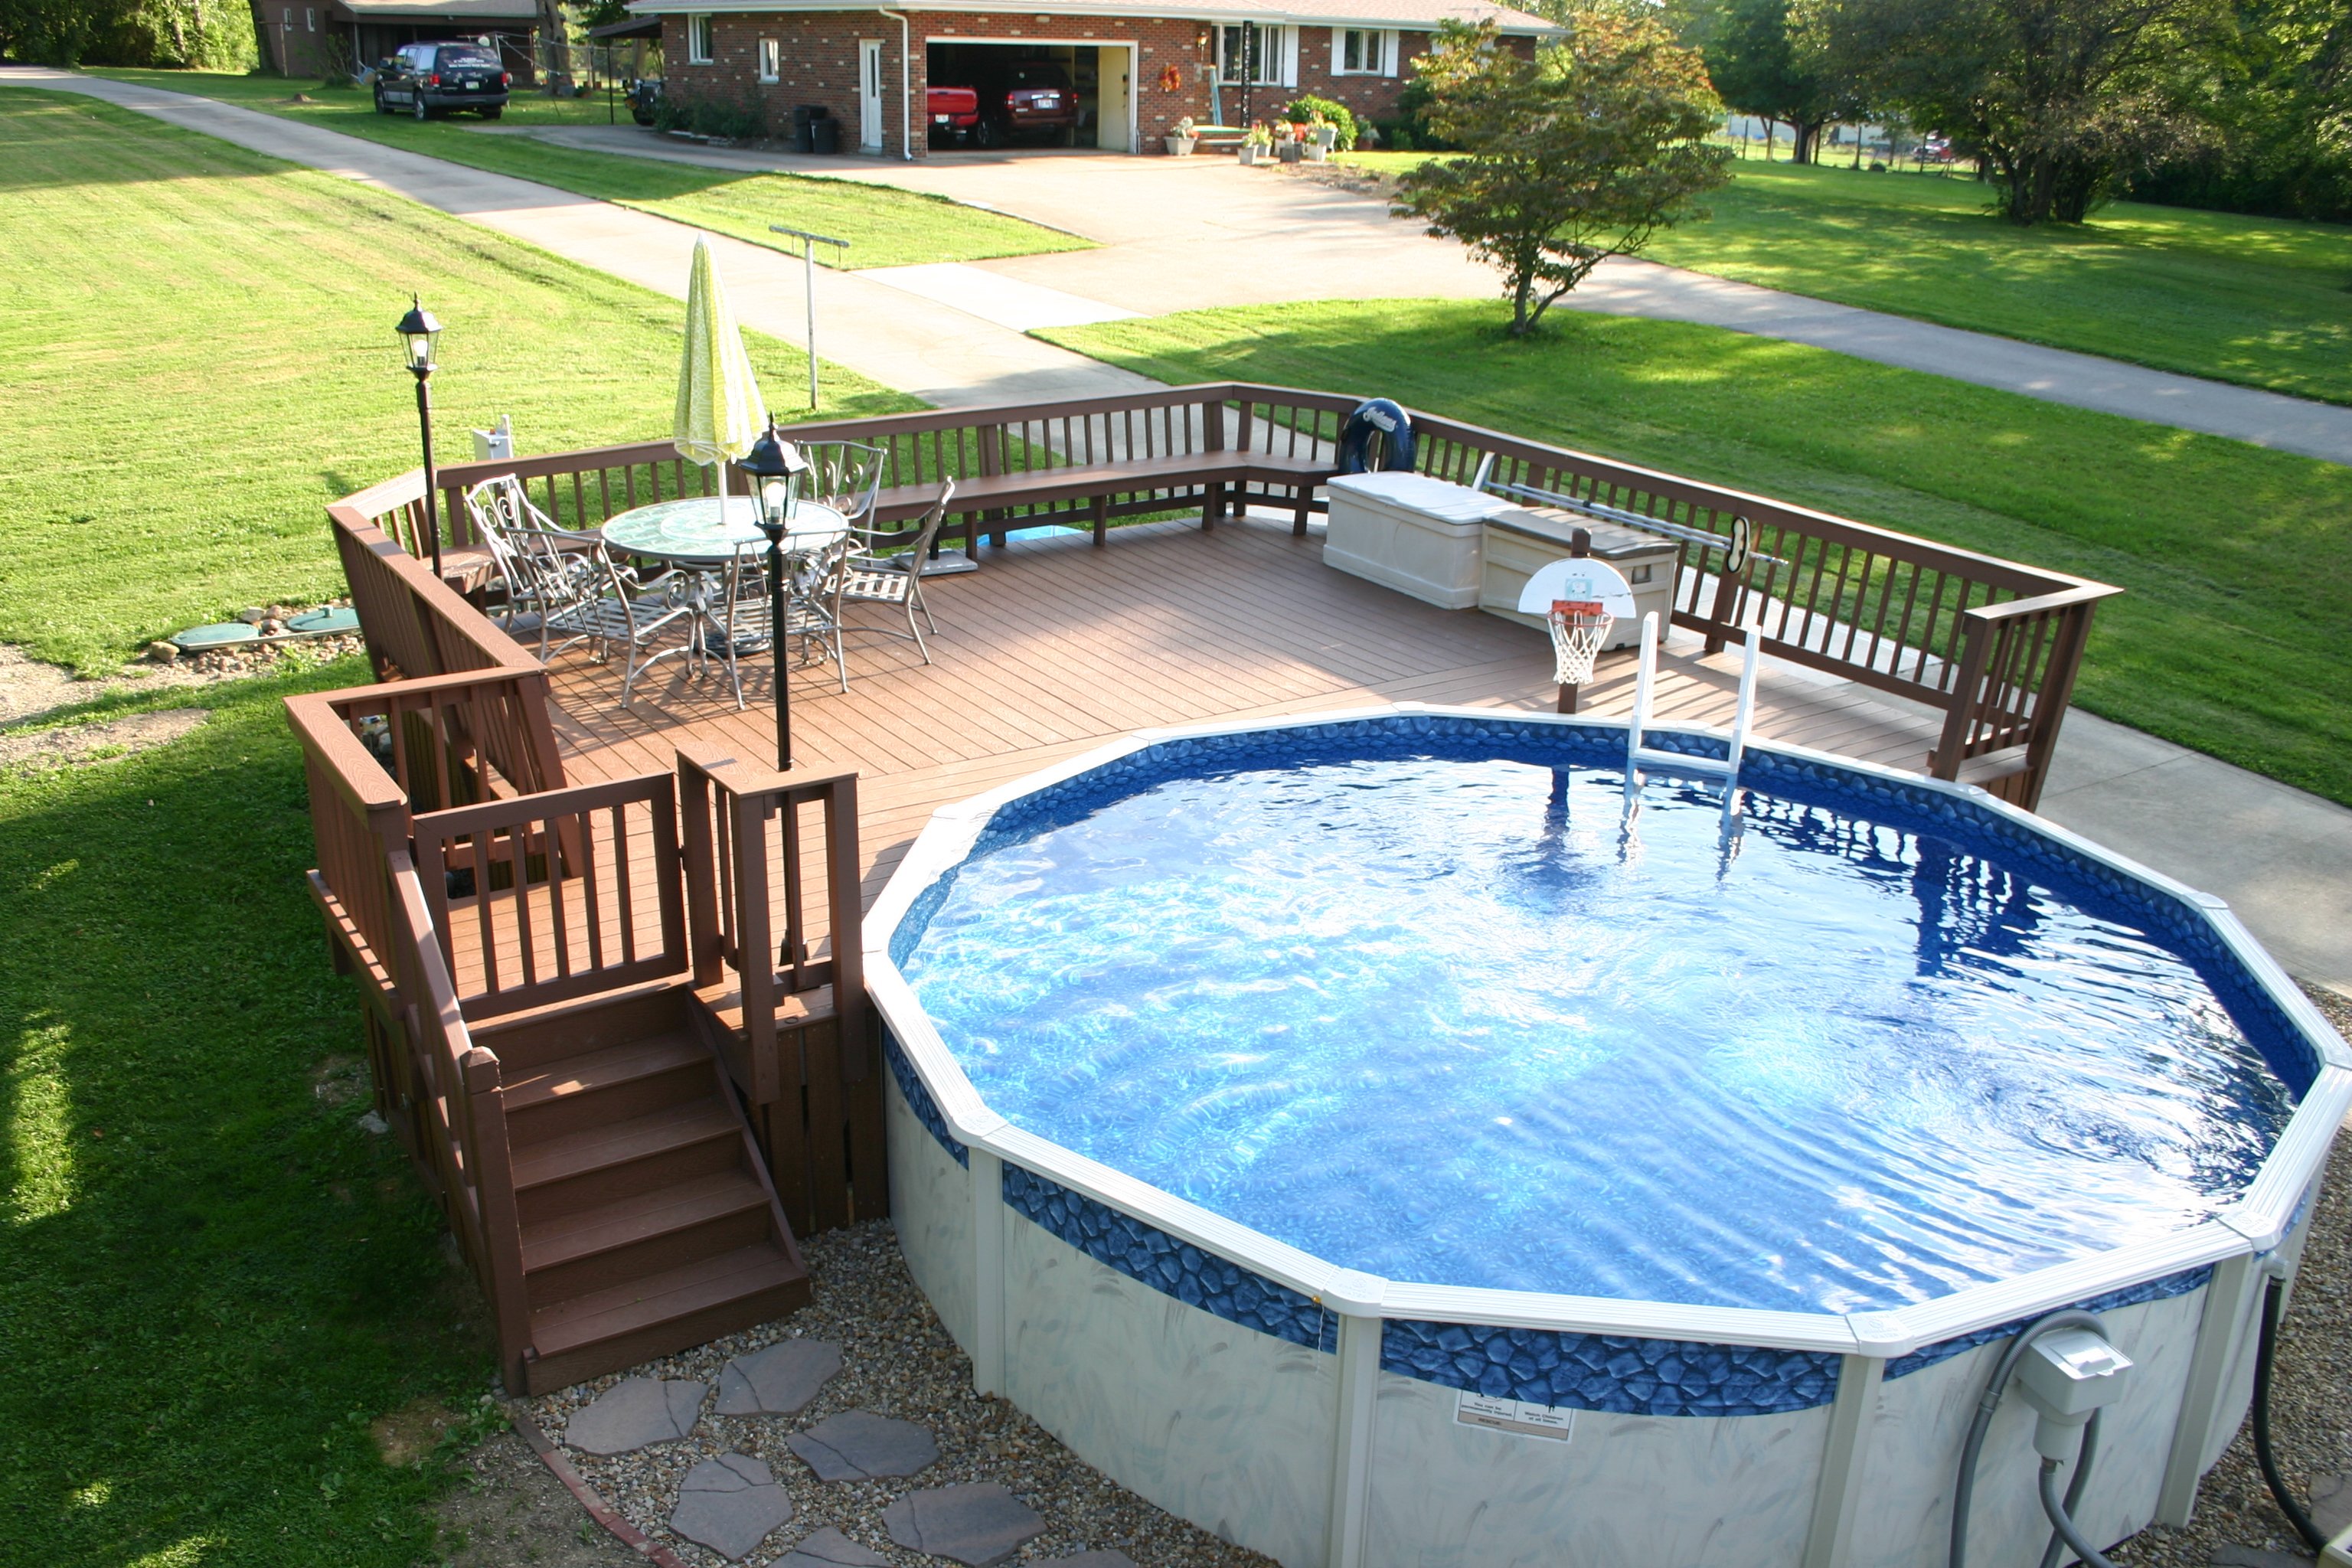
{"points": [[1286, 145], [1258, 144], [1180, 140], [1316, 141]]}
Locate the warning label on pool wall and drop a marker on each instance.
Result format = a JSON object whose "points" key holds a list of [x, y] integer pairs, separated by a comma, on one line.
{"points": [[1515, 1416]]}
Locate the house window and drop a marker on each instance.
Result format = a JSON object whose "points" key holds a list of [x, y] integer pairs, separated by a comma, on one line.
{"points": [[1362, 51], [1250, 53], [697, 40], [772, 60], [310, 17]]}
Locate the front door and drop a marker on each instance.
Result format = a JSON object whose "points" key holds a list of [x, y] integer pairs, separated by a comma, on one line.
{"points": [[869, 94], [1111, 98]]}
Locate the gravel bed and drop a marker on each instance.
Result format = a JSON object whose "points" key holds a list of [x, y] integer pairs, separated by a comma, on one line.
{"points": [[897, 1361], [2310, 1395]]}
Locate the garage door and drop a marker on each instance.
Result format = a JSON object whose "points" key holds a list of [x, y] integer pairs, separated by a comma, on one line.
{"points": [[1035, 93]]}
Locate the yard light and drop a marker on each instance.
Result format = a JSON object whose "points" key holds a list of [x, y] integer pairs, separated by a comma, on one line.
{"points": [[419, 335], [776, 466]]}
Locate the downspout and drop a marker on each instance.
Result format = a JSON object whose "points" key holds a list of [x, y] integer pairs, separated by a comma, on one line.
{"points": [[905, 85]]}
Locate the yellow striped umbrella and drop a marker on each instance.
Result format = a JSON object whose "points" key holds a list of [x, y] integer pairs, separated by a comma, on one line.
{"points": [[720, 411]]}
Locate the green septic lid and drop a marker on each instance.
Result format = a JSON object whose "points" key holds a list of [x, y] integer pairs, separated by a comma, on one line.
{"points": [[325, 619], [221, 635]]}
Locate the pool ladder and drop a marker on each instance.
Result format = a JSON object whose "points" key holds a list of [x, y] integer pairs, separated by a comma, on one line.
{"points": [[1639, 756]]}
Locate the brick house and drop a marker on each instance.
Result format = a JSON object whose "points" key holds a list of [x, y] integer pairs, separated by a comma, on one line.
{"points": [[1137, 69]]}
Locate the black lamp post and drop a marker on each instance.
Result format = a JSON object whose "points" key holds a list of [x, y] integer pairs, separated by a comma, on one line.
{"points": [[419, 333], [776, 466]]}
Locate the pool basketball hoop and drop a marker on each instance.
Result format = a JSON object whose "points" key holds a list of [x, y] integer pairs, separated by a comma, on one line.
{"points": [[1580, 599]]}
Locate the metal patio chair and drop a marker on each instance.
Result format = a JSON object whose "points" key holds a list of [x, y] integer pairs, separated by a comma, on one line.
{"points": [[812, 584], [895, 578], [845, 475], [585, 596], [543, 567]]}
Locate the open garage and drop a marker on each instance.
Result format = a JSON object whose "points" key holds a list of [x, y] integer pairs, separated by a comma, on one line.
{"points": [[1030, 94]]}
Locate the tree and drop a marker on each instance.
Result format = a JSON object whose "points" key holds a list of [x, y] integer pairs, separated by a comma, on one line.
{"points": [[1573, 154], [1764, 63], [2061, 99]]}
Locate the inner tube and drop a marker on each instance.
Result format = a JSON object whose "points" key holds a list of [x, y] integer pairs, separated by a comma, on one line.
{"points": [[1379, 436]]}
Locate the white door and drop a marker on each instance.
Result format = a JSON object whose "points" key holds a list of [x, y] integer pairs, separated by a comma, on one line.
{"points": [[1114, 99], [869, 94]]}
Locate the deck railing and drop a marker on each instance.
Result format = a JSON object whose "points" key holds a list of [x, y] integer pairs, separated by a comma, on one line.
{"points": [[759, 843], [1991, 644]]}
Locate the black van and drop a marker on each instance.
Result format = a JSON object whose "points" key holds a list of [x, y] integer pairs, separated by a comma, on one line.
{"points": [[426, 79]]}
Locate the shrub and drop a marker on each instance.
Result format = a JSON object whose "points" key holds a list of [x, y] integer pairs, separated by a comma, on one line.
{"points": [[1308, 107], [709, 117]]}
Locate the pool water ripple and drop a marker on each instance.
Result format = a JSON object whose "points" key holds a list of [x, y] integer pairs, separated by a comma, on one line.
{"points": [[1442, 1021]]}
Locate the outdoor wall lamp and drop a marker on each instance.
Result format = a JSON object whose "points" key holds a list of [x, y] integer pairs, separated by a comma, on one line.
{"points": [[776, 466], [419, 335]]}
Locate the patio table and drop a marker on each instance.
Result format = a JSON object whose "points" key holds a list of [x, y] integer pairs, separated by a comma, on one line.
{"points": [[690, 533]]}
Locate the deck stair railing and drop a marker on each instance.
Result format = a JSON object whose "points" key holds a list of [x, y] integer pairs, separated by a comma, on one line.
{"points": [[789, 996]]}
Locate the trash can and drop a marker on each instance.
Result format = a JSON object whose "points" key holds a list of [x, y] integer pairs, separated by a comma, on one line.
{"points": [[824, 135], [804, 118]]}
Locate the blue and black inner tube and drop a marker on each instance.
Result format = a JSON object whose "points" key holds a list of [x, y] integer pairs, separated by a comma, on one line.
{"points": [[1379, 436]]}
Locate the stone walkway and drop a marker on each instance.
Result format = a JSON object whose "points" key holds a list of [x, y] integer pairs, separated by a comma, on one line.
{"points": [[2282, 859]]}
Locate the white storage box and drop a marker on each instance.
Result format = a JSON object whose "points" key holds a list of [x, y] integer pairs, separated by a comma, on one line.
{"points": [[1408, 532], [1518, 539]]}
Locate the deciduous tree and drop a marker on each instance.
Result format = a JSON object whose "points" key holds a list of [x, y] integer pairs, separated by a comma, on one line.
{"points": [[1575, 153]]}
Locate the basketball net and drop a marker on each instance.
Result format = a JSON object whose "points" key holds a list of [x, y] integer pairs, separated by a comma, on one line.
{"points": [[1579, 627]]}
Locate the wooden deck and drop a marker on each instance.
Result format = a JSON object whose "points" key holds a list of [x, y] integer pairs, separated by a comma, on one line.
{"points": [[1055, 646]]}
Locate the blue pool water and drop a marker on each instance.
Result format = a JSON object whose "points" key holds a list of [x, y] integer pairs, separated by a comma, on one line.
{"points": [[1439, 1020]]}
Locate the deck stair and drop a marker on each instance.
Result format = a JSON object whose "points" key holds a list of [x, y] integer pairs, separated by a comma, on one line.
{"points": [[648, 1220]]}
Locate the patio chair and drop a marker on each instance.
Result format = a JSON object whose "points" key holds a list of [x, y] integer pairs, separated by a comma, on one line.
{"points": [[873, 578], [587, 597], [845, 475], [812, 607], [544, 568]]}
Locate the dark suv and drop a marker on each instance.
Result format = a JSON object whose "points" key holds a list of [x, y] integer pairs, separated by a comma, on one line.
{"points": [[426, 79]]}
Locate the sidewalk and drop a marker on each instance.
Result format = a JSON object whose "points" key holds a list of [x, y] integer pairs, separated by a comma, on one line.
{"points": [[2282, 859]]}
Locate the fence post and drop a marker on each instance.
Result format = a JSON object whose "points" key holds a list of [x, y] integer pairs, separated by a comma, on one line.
{"points": [[500, 1221], [1964, 700]]}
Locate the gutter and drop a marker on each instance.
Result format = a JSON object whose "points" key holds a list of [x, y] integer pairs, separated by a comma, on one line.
{"points": [[905, 85]]}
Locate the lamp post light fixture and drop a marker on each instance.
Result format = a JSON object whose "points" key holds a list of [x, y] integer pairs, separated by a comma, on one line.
{"points": [[419, 335], [775, 466]]}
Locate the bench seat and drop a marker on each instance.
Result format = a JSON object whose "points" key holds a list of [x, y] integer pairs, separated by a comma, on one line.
{"points": [[986, 493]]}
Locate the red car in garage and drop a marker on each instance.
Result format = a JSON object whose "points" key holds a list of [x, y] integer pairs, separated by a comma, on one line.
{"points": [[954, 112], [1016, 100]]}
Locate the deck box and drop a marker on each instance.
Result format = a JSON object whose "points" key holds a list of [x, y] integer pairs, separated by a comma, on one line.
{"points": [[1411, 533], [1517, 540]]}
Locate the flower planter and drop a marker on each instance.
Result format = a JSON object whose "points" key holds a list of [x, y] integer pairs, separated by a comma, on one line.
{"points": [[1288, 152], [1315, 151], [1254, 154], [1181, 146]]}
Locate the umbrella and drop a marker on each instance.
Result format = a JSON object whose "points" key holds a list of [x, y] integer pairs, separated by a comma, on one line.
{"points": [[720, 413]]}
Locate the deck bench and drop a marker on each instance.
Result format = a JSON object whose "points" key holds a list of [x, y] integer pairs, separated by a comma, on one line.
{"points": [[982, 498]]}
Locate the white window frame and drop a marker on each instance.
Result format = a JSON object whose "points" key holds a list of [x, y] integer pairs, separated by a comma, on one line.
{"points": [[310, 18], [1383, 51], [772, 60], [1277, 55], [699, 40]]}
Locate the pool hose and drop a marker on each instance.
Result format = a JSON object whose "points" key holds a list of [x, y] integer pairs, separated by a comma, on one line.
{"points": [[2061, 1512], [2267, 1347]]}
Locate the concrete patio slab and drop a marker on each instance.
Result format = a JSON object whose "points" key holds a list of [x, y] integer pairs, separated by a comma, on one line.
{"points": [[997, 298]]}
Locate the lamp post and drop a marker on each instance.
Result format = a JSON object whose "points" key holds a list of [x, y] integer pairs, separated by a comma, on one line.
{"points": [[776, 466], [419, 333]]}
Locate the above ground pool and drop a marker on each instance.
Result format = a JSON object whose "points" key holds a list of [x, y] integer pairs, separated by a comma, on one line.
{"points": [[1652, 1104]]}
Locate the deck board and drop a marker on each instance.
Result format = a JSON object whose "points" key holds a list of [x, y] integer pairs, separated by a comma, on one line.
{"points": [[1055, 646]]}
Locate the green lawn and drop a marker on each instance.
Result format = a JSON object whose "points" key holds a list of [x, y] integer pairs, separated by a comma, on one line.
{"points": [[213, 1282], [200, 355], [2235, 636], [2260, 302], [885, 227]]}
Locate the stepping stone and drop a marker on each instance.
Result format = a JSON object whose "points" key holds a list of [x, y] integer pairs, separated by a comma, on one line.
{"points": [[1101, 1559], [730, 1504], [859, 1446], [2331, 1503], [980, 1525], [778, 1381], [2257, 1557], [636, 1413], [828, 1548]]}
